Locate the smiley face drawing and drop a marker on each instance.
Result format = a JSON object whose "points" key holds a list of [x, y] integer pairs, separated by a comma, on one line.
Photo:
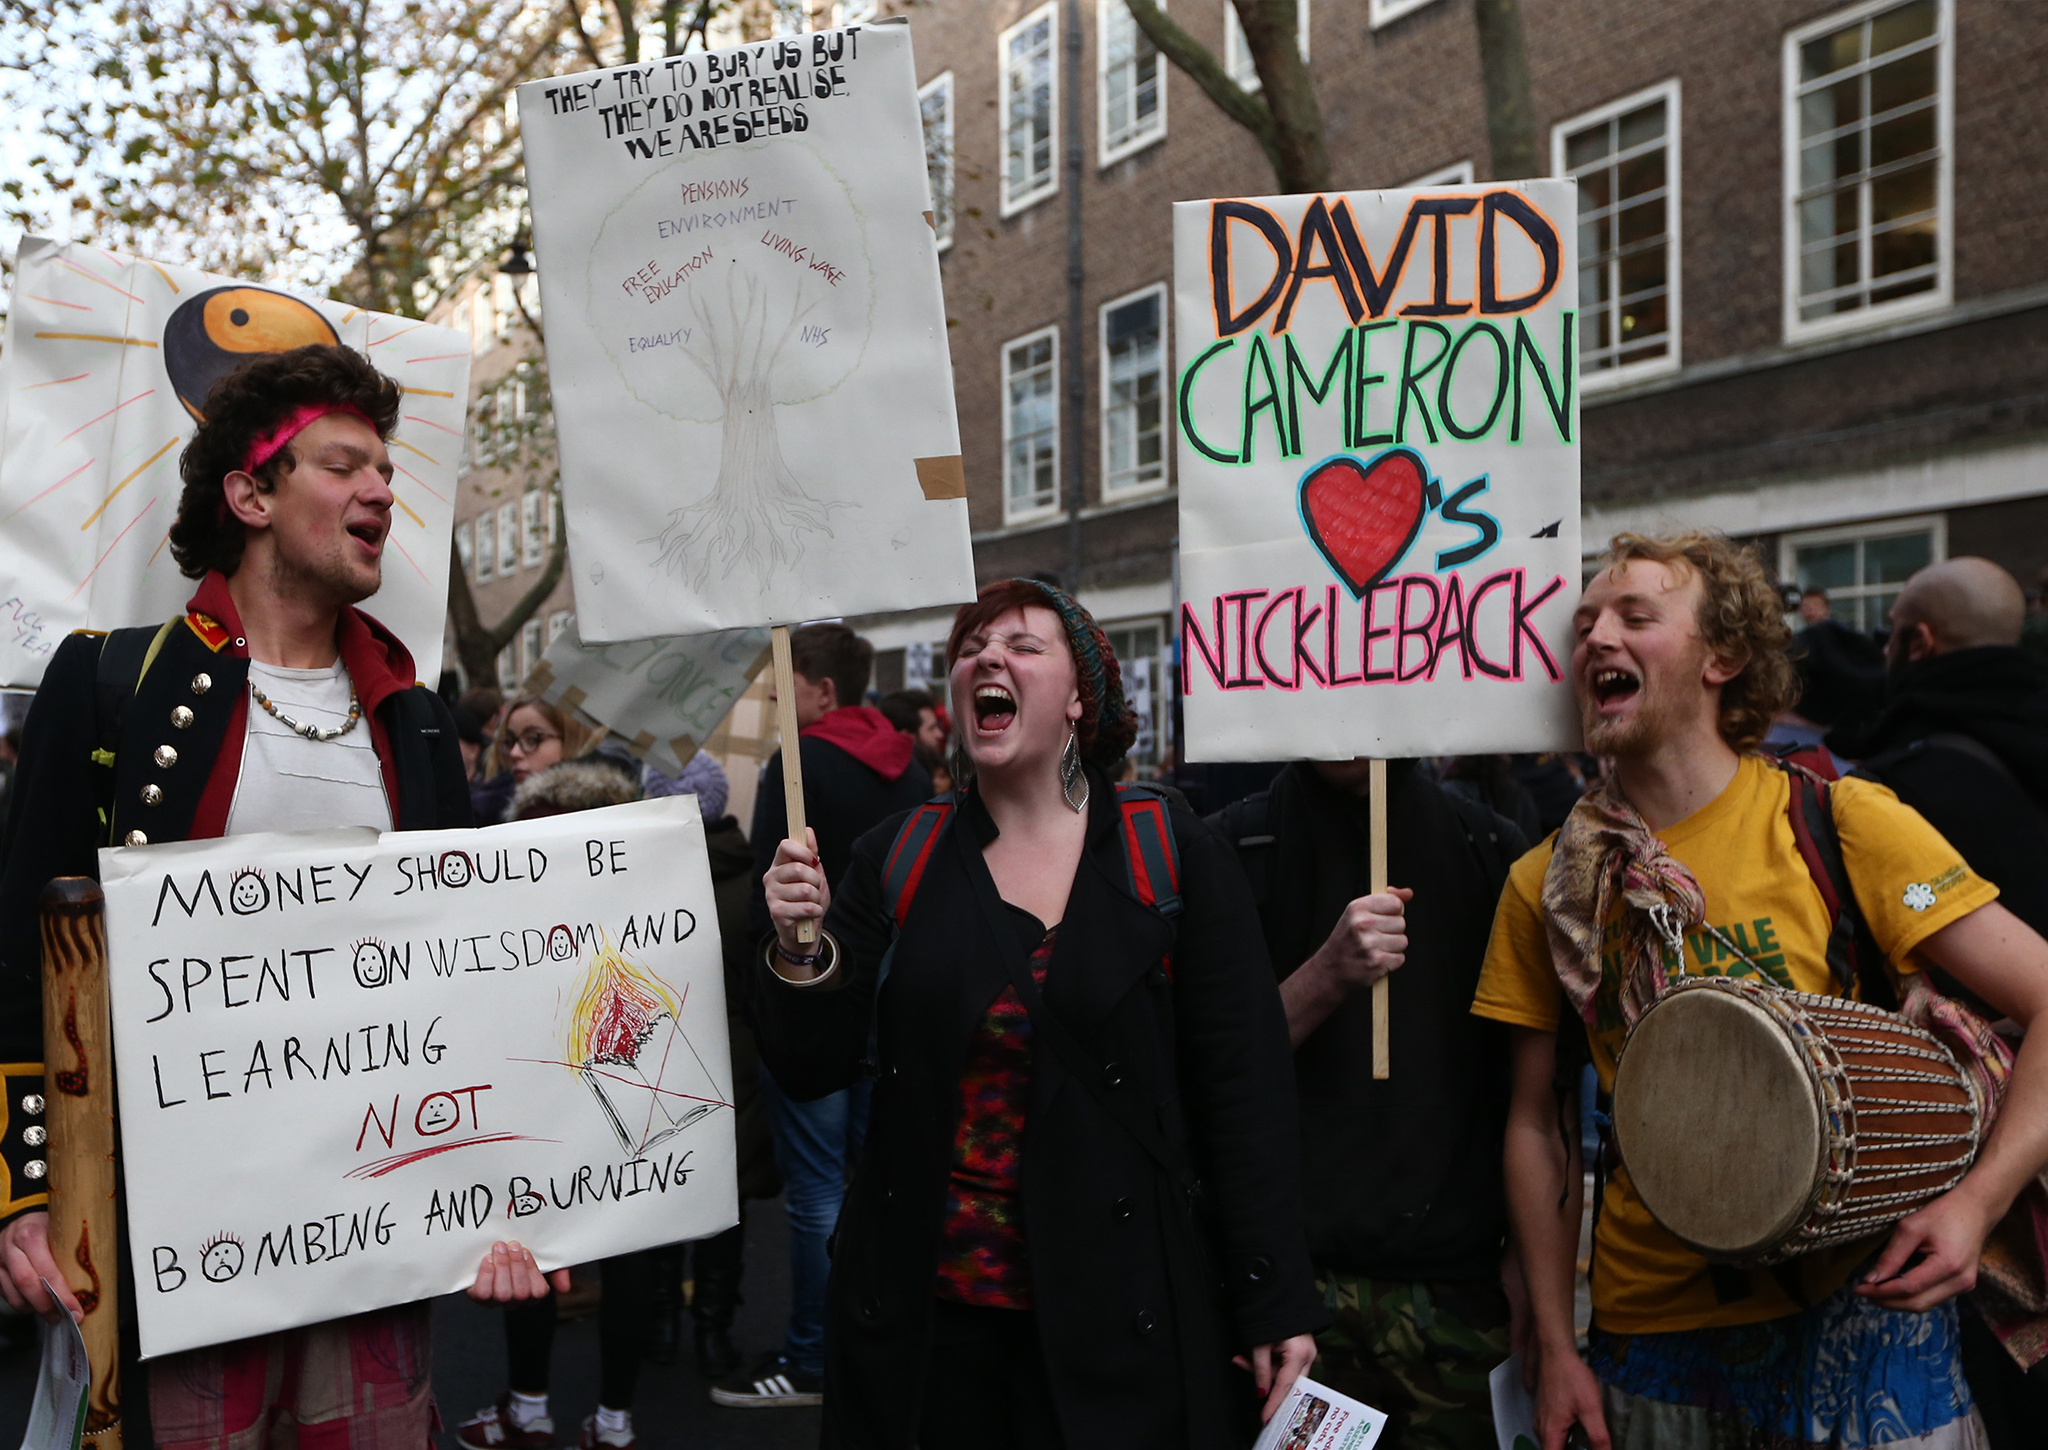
{"points": [[438, 1112], [372, 967], [249, 893], [561, 943], [454, 868], [220, 1258]]}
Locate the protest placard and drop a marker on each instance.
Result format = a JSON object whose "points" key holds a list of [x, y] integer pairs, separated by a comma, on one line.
{"points": [[108, 360], [1378, 443], [747, 341], [350, 1062], [665, 696]]}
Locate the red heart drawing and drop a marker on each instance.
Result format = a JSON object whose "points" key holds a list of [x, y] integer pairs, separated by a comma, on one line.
{"points": [[1364, 516]]}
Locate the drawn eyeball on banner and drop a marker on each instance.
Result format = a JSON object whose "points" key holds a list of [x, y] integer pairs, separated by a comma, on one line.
{"points": [[454, 868], [713, 286], [216, 332], [372, 964], [220, 1258], [561, 943], [248, 893]]}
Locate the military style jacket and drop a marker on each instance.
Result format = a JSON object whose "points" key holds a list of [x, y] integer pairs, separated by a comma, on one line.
{"points": [[136, 737]]}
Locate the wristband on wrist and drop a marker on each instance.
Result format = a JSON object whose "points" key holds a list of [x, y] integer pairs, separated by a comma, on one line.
{"points": [[801, 961]]}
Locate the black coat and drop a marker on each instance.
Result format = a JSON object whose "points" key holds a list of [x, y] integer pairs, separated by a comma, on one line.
{"points": [[1138, 1308], [843, 798], [1996, 695]]}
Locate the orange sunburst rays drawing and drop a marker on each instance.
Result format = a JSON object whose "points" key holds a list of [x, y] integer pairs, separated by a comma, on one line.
{"points": [[625, 1041]]}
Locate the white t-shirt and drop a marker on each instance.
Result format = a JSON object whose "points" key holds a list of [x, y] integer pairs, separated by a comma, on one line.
{"points": [[290, 783]]}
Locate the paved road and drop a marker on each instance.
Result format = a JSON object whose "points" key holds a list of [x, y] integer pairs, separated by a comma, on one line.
{"points": [[469, 1368]]}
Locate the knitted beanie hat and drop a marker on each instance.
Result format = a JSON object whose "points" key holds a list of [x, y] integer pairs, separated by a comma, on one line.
{"points": [[1107, 727]]}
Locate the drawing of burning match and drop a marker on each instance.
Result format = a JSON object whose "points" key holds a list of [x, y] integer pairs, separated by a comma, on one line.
{"points": [[624, 1041]]}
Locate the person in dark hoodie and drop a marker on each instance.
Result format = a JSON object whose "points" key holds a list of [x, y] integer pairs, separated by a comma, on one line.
{"points": [[1963, 739], [858, 770], [1411, 1262]]}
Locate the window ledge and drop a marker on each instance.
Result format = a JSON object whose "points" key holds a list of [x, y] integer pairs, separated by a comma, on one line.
{"points": [[1130, 148], [1979, 309], [1093, 511], [1011, 209]]}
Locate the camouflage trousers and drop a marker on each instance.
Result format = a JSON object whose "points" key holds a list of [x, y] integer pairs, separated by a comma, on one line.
{"points": [[1418, 1350]]}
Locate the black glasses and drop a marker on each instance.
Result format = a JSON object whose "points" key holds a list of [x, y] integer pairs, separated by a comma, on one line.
{"points": [[526, 744]]}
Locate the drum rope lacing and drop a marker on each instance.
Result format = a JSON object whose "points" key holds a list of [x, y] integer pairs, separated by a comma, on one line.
{"points": [[1854, 1135]]}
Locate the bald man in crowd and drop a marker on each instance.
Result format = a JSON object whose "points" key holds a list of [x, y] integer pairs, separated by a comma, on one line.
{"points": [[1963, 739]]}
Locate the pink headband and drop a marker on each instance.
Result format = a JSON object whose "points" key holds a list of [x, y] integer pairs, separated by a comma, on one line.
{"points": [[266, 447]]}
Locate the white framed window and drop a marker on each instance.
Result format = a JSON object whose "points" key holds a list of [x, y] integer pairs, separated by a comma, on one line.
{"points": [[1458, 173], [1134, 392], [1625, 158], [502, 311], [465, 549], [508, 538], [1031, 426], [482, 330], [1237, 56], [531, 645], [935, 102], [486, 548], [1136, 644], [554, 515], [1862, 567], [1131, 84], [1386, 12], [533, 528], [854, 12], [558, 623], [1028, 57], [508, 669], [1869, 166]]}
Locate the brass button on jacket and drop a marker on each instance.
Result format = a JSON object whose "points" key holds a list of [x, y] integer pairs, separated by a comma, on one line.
{"points": [[166, 757], [182, 718], [152, 794], [201, 683], [135, 838]]}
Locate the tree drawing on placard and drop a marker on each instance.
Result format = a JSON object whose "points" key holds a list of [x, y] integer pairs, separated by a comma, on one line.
{"points": [[726, 298], [626, 1042]]}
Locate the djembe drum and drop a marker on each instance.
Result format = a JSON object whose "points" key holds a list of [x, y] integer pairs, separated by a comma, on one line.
{"points": [[1759, 1124]]}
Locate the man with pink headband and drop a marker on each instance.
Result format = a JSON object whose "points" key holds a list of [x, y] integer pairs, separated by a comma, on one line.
{"points": [[272, 703]]}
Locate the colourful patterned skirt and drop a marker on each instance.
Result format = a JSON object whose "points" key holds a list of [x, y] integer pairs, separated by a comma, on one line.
{"points": [[1845, 1374]]}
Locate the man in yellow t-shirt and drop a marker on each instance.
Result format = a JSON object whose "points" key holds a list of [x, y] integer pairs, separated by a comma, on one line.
{"points": [[1679, 666]]}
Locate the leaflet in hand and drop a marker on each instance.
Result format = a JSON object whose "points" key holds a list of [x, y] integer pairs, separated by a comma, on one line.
{"points": [[1316, 1417]]}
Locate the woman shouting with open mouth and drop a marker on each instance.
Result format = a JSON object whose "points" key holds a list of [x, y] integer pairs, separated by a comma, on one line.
{"points": [[1079, 1198]]}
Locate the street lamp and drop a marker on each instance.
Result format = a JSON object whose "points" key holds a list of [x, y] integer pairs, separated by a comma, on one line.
{"points": [[518, 266]]}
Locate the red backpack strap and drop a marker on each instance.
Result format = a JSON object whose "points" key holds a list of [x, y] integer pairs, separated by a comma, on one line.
{"points": [[1151, 855], [909, 854], [1854, 959]]}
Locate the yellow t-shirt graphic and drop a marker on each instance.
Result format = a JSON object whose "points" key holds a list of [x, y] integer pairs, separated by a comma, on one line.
{"points": [[1909, 883]]}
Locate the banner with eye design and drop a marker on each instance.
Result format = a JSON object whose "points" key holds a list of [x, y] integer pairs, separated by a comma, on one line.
{"points": [[1377, 437], [108, 362], [381, 1054]]}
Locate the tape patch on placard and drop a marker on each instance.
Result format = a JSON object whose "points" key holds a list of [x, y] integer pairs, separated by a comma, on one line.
{"points": [[943, 477]]}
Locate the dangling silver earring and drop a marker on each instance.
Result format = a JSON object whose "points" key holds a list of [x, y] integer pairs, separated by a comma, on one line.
{"points": [[1070, 772]]}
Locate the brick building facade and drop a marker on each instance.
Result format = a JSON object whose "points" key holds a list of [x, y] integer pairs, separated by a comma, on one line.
{"points": [[1843, 357], [1812, 309]]}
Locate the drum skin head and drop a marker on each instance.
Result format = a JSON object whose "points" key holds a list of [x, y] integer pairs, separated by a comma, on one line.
{"points": [[1718, 1117]]}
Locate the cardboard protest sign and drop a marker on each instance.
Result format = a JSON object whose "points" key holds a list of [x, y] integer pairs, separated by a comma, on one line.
{"points": [[350, 1062], [747, 342], [666, 696], [1378, 443], [108, 360]]}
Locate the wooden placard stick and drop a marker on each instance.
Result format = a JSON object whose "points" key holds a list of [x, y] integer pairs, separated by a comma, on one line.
{"points": [[792, 760], [78, 1024], [1376, 830]]}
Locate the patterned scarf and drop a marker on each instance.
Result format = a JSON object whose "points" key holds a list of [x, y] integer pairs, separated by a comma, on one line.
{"points": [[1605, 850]]}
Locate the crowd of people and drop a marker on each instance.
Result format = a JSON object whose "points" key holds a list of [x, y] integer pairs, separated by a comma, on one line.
{"points": [[1069, 1094]]}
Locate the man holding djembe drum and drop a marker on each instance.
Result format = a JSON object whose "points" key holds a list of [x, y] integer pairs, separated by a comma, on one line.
{"points": [[1808, 1324]]}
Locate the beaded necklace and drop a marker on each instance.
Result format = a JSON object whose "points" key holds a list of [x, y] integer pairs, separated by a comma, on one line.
{"points": [[312, 732]]}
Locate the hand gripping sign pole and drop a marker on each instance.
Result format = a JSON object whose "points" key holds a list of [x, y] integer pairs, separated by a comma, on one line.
{"points": [[77, 1024], [792, 761]]}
